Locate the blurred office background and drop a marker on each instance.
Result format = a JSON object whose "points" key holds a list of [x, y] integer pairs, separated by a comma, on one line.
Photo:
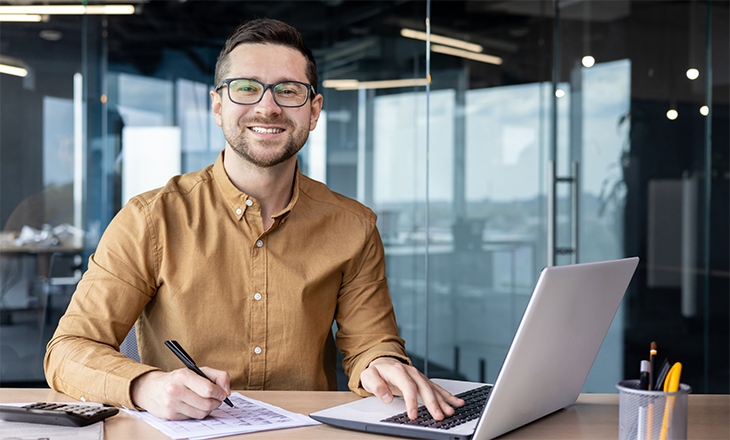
{"points": [[552, 132]]}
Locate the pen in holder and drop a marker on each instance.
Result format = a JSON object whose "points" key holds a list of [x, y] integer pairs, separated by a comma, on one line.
{"points": [[652, 415]]}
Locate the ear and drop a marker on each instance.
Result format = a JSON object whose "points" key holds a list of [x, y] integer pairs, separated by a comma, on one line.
{"points": [[216, 107], [317, 102]]}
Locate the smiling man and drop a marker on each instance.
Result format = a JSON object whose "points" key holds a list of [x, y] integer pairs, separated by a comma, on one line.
{"points": [[246, 263]]}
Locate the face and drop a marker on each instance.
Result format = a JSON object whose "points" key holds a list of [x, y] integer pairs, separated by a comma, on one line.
{"points": [[266, 134]]}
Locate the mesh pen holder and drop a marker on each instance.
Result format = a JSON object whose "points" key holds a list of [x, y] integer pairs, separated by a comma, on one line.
{"points": [[652, 415]]}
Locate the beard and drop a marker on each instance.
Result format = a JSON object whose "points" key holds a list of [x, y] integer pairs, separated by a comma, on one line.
{"points": [[269, 152]]}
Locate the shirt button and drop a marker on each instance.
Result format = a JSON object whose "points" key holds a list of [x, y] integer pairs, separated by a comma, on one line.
{"points": [[257, 296], [238, 211], [249, 202], [257, 350], [259, 243]]}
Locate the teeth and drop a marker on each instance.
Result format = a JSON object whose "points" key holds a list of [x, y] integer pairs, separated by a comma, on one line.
{"points": [[266, 130]]}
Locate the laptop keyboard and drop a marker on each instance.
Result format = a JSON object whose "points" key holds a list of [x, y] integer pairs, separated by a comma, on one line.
{"points": [[474, 402]]}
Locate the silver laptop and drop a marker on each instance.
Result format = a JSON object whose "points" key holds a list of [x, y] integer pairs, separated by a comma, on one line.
{"points": [[562, 329]]}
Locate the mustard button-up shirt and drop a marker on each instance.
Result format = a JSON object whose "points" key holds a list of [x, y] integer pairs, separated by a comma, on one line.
{"points": [[191, 262]]}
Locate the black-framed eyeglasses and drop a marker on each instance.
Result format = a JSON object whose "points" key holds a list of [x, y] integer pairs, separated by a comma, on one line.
{"points": [[246, 91]]}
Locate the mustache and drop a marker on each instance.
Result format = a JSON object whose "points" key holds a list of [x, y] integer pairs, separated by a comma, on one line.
{"points": [[276, 120]]}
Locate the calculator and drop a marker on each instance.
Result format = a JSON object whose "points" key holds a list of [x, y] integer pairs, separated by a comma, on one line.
{"points": [[66, 414]]}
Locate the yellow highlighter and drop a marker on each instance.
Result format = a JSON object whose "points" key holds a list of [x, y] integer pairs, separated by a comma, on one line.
{"points": [[671, 385]]}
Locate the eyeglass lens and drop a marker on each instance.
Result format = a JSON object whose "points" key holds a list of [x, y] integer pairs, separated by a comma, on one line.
{"points": [[288, 94]]}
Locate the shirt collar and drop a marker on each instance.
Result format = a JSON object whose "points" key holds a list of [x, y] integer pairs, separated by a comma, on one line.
{"points": [[294, 195], [237, 199]]}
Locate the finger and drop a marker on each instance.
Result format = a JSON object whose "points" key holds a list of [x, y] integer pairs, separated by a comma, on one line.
{"points": [[178, 401], [204, 387], [411, 383], [414, 384], [183, 411], [437, 400], [409, 391], [198, 392], [402, 379], [220, 377], [432, 399], [399, 377], [444, 399], [447, 400], [373, 383]]}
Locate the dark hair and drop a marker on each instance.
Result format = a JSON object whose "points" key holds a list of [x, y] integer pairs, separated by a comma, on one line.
{"points": [[266, 31]]}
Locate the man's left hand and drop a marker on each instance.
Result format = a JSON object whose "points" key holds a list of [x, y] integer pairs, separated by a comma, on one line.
{"points": [[387, 377]]}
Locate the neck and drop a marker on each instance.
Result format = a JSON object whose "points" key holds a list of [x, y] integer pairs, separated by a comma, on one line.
{"points": [[271, 186]]}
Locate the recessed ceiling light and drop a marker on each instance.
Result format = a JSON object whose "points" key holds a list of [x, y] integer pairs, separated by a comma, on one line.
{"points": [[50, 35], [519, 32], [693, 74]]}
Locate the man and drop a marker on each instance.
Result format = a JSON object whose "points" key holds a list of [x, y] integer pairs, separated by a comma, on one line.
{"points": [[246, 263]]}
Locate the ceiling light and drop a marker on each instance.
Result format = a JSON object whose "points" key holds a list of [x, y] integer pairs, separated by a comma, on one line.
{"points": [[68, 10], [560, 93], [453, 42], [693, 74], [588, 61], [21, 18], [704, 110], [13, 70], [110, 9], [339, 83], [672, 114], [50, 35], [394, 83], [13, 66], [353, 84], [484, 58]]}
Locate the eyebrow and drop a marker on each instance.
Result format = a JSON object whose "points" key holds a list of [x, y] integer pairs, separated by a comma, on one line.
{"points": [[257, 78]]}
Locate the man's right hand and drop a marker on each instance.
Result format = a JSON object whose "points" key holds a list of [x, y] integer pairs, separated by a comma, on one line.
{"points": [[180, 394]]}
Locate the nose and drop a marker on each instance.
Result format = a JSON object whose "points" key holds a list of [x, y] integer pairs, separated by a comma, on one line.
{"points": [[267, 105]]}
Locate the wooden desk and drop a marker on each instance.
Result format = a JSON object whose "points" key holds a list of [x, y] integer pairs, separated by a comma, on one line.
{"points": [[593, 416]]}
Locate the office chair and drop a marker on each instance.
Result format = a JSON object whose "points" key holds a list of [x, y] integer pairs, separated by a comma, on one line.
{"points": [[64, 273], [128, 347]]}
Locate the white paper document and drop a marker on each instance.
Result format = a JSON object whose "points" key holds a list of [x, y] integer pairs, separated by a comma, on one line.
{"points": [[247, 415]]}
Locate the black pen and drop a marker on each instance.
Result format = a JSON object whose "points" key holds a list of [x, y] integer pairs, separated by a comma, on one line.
{"points": [[189, 362], [644, 375]]}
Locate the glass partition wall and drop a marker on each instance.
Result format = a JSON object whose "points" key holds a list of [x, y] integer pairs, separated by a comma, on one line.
{"points": [[43, 184], [551, 132]]}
